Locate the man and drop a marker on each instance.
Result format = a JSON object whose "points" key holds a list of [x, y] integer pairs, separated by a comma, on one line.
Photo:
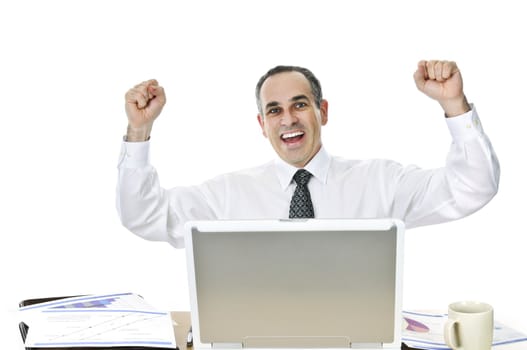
{"points": [[291, 115]]}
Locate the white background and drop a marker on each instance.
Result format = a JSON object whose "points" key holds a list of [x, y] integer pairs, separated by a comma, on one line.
{"points": [[64, 69]]}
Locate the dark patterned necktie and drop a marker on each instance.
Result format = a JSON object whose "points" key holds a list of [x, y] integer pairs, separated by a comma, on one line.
{"points": [[301, 205]]}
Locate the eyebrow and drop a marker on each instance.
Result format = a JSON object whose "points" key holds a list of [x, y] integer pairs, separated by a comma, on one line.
{"points": [[292, 99], [299, 97]]}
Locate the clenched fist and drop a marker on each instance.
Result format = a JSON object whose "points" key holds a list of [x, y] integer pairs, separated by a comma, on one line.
{"points": [[441, 81], [144, 103]]}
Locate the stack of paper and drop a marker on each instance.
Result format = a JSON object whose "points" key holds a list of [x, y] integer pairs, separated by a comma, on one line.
{"points": [[98, 321], [425, 331]]}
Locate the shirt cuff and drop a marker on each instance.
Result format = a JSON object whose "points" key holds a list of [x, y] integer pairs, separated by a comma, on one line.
{"points": [[134, 154], [465, 126]]}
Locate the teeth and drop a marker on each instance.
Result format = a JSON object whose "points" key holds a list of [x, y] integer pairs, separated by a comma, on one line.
{"points": [[293, 134]]}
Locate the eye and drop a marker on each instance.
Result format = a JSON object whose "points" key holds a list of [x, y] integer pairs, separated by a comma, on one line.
{"points": [[273, 111], [300, 105]]}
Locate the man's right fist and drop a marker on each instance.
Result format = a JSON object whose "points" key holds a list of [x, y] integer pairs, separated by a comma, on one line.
{"points": [[144, 103]]}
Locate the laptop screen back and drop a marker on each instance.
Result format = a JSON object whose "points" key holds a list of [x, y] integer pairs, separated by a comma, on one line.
{"points": [[295, 287]]}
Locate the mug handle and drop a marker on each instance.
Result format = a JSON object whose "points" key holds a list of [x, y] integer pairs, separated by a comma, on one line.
{"points": [[450, 334]]}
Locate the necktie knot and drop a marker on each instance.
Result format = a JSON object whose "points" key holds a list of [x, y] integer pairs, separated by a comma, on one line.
{"points": [[302, 177]]}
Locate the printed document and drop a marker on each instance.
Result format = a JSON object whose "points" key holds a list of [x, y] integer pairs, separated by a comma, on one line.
{"points": [[98, 321]]}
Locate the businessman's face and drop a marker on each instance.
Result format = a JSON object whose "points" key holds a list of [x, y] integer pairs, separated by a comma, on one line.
{"points": [[291, 121]]}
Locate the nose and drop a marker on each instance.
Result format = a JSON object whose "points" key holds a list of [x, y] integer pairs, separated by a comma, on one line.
{"points": [[289, 118]]}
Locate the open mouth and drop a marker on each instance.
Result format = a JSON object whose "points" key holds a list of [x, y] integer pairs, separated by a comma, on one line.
{"points": [[292, 137]]}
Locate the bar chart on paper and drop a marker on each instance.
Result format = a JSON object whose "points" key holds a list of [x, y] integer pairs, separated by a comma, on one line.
{"points": [[101, 303]]}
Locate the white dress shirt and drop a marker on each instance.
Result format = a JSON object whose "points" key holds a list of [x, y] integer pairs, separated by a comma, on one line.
{"points": [[339, 188]]}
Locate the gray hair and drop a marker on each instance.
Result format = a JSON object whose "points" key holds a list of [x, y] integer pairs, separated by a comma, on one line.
{"points": [[316, 89]]}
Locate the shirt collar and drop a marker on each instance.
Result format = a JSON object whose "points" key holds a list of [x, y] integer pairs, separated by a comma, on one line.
{"points": [[318, 166]]}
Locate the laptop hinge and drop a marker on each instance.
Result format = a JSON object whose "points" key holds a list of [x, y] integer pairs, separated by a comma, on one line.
{"points": [[296, 342], [366, 345], [226, 345]]}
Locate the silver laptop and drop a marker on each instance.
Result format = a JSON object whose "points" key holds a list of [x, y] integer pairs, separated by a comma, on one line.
{"points": [[316, 283]]}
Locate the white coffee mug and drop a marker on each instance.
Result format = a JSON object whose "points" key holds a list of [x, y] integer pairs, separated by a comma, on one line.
{"points": [[470, 326]]}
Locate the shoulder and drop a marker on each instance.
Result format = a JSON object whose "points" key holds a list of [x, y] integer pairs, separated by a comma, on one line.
{"points": [[369, 172], [255, 173], [342, 164]]}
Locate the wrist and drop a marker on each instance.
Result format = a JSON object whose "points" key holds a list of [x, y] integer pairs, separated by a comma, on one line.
{"points": [[455, 107], [140, 134]]}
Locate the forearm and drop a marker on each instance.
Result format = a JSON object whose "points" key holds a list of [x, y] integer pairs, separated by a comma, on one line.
{"points": [[142, 204], [472, 167]]}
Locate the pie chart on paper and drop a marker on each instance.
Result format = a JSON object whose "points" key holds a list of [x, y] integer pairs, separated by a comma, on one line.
{"points": [[415, 326]]}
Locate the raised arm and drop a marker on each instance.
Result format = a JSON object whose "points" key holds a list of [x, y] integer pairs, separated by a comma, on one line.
{"points": [[144, 207], [470, 177]]}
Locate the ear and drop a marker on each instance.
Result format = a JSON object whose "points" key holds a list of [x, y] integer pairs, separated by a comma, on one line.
{"points": [[261, 121], [323, 112]]}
